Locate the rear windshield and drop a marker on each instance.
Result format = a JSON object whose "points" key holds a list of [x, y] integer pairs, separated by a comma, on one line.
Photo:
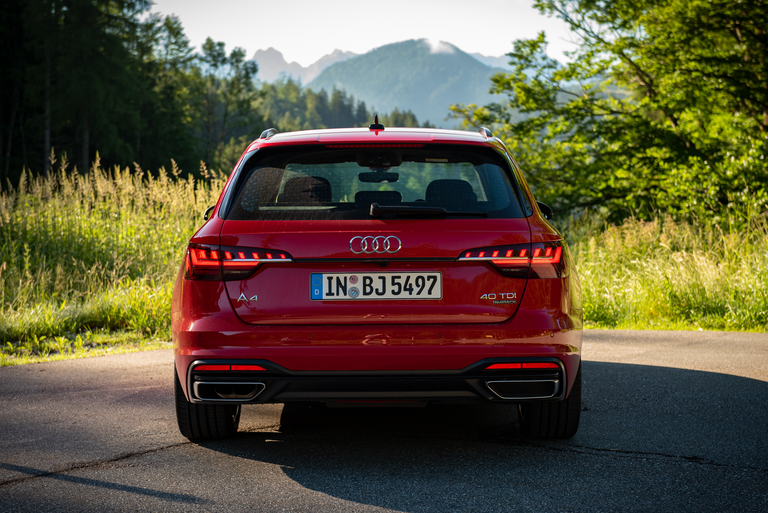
{"points": [[311, 183]]}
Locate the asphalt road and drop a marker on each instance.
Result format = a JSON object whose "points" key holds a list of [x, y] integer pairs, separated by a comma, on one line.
{"points": [[672, 421]]}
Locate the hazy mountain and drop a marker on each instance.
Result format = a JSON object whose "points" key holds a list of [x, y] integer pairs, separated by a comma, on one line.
{"points": [[494, 62], [416, 74], [272, 65]]}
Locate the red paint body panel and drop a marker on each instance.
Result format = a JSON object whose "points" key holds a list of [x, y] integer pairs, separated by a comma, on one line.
{"points": [[286, 328], [210, 329]]}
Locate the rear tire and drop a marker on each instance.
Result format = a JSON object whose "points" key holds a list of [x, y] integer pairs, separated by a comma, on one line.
{"points": [[205, 421], [552, 419]]}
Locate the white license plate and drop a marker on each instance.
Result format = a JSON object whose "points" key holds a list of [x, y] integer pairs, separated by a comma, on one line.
{"points": [[335, 286]]}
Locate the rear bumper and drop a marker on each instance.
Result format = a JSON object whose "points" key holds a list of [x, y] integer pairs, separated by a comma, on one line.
{"points": [[427, 363], [545, 326], [276, 384]]}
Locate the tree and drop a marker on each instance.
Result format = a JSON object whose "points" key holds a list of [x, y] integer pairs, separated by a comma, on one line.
{"points": [[81, 76], [404, 118], [98, 74], [11, 80], [664, 105], [288, 106], [229, 97], [170, 102], [69, 80]]}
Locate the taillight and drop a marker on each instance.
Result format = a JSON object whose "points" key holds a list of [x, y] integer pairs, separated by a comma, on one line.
{"points": [[212, 368], [513, 261], [386, 145], [548, 260], [239, 263], [207, 367], [524, 365], [540, 365], [228, 263], [537, 260], [203, 262]]}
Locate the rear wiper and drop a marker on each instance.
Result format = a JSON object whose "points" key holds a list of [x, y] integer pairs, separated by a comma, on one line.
{"points": [[391, 211]]}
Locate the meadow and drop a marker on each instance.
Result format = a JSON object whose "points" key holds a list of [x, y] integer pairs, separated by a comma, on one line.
{"points": [[88, 262]]}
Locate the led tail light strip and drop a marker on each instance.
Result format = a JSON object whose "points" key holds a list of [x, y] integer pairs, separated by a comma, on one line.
{"points": [[537, 260], [383, 145], [204, 258], [504, 366], [547, 255], [244, 257], [205, 262], [207, 367], [525, 365], [507, 256], [540, 365]]}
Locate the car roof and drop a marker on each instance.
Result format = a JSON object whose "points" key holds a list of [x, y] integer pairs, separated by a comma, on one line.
{"points": [[368, 136]]}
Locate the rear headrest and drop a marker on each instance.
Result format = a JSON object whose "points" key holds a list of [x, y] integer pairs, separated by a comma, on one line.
{"points": [[261, 188], [365, 198], [451, 193], [306, 189]]}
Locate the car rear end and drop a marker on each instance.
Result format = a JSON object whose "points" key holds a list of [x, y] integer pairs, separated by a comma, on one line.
{"points": [[359, 267]]}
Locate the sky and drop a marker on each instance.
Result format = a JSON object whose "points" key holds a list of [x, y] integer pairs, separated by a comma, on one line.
{"points": [[305, 30]]}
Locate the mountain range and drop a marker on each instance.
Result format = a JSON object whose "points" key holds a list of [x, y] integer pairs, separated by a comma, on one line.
{"points": [[417, 75], [272, 65]]}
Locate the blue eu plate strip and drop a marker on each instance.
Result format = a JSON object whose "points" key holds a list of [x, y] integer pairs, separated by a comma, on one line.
{"points": [[317, 286]]}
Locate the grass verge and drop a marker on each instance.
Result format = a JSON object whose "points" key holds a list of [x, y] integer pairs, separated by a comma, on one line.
{"points": [[83, 345], [667, 274]]}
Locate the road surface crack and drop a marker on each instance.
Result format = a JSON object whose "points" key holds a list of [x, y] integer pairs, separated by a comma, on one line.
{"points": [[585, 449], [80, 466]]}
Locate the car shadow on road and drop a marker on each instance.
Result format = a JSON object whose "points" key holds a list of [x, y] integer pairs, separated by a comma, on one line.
{"points": [[99, 483], [643, 428]]}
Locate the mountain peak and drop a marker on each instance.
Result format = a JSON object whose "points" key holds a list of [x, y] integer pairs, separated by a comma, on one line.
{"points": [[272, 65], [419, 75]]}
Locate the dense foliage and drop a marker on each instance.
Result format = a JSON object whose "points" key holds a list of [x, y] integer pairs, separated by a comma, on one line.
{"points": [[81, 76], [662, 107]]}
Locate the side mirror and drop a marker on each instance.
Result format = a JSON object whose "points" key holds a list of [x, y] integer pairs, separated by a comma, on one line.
{"points": [[546, 210], [207, 212]]}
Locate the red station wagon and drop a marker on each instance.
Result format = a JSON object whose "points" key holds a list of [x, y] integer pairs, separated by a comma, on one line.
{"points": [[377, 266]]}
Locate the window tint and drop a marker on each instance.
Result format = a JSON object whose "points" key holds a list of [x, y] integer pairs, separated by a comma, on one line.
{"points": [[312, 183]]}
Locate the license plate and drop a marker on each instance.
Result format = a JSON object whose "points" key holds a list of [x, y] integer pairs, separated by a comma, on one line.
{"points": [[379, 286]]}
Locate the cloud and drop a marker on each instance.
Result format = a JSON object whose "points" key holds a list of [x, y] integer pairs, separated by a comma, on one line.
{"points": [[439, 46]]}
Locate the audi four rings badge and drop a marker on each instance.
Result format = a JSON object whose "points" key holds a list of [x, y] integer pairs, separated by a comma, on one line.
{"points": [[371, 244]]}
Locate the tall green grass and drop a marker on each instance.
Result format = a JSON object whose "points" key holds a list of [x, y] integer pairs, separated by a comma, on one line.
{"points": [[100, 252], [673, 275], [97, 251]]}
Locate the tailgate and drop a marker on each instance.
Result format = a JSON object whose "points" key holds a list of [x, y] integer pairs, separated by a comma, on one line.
{"points": [[375, 271]]}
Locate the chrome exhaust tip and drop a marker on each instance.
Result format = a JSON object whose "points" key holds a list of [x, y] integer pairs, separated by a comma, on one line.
{"points": [[511, 389], [227, 391]]}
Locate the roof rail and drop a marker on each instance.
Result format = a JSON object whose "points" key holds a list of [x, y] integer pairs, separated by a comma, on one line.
{"points": [[269, 132], [486, 132]]}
